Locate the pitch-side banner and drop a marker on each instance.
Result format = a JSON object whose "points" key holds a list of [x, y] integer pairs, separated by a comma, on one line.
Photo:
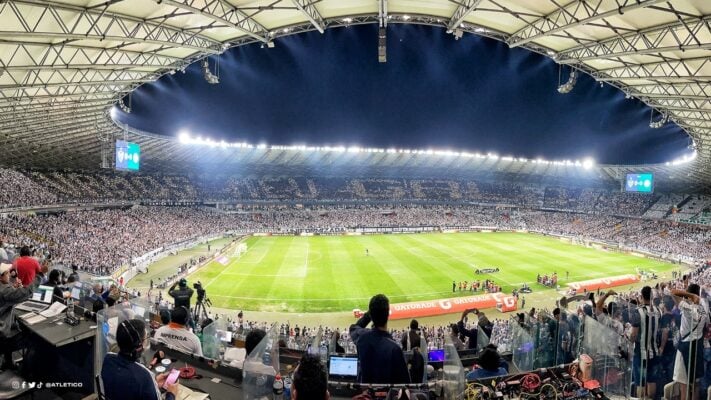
{"points": [[604, 283], [448, 306]]}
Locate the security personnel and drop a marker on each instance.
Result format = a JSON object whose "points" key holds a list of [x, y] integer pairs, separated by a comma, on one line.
{"points": [[182, 295]]}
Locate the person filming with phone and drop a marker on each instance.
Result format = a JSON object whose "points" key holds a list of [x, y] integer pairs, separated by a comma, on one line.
{"points": [[122, 375]]}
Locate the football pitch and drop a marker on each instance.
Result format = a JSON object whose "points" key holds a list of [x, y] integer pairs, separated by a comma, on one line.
{"points": [[336, 273]]}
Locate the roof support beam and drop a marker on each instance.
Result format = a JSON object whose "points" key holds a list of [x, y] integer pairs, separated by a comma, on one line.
{"points": [[686, 68], [225, 13], [383, 13], [677, 36], [464, 8], [572, 15], [50, 107], [99, 25], [309, 10]]}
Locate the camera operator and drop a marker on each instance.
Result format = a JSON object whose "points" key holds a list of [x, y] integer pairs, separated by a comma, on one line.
{"points": [[182, 295]]}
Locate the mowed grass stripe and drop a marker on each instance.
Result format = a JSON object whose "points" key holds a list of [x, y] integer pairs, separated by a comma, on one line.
{"points": [[274, 274]]}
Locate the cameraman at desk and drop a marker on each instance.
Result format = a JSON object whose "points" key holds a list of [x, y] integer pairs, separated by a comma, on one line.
{"points": [[10, 295]]}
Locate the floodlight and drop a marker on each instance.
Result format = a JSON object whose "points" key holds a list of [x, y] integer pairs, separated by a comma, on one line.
{"points": [[658, 123], [113, 112], [208, 75], [184, 137], [588, 163], [570, 84], [123, 106]]}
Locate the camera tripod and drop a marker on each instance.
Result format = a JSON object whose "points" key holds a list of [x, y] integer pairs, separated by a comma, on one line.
{"points": [[200, 310]]}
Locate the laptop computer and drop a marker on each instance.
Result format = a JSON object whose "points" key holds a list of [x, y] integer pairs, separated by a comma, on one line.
{"points": [[41, 300], [342, 368]]}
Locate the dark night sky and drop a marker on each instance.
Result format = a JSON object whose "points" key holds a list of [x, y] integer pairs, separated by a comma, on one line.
{"points": [[474, 94]]}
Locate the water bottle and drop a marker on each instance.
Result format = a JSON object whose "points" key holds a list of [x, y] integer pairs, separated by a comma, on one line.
{"points": [[70, 308], [278, 388], [323, 352], [287, 387]]}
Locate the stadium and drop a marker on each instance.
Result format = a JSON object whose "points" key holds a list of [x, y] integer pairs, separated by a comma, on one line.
{"points": [[382, 199]]}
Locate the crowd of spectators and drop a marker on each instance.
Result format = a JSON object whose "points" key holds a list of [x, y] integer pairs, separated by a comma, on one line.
{"points": [[25, 188], [99, 241]]}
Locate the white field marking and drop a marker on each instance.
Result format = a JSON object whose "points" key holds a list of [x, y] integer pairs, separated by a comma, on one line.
{"points": [[218, 275], [264, 253], [340, 298], [264, 275], [416, 251]]}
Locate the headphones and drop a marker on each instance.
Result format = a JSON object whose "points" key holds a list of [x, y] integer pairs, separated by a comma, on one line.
{"points": [[136, 340]]}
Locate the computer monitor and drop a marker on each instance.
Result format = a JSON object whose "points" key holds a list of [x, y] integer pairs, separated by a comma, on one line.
{"points": [[225, 336], [140, 311], [76, 292], [43, 294], [343, 367], [436, 355]]}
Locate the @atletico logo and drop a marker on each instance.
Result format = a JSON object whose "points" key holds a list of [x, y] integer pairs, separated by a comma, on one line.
{"points": [[445, 304]]}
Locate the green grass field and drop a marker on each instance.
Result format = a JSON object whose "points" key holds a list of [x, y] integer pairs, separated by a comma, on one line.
{"points": [[333, 273]]}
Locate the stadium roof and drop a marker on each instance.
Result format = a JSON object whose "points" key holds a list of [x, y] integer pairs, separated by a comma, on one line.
{"points": [[63, 64]]}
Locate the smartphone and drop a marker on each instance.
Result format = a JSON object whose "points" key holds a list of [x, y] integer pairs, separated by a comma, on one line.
{"points": [[172, 378]]}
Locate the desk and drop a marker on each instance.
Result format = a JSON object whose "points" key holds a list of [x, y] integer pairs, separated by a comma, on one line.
{"points": [[230, 378], [60, 353], [57, 333]]}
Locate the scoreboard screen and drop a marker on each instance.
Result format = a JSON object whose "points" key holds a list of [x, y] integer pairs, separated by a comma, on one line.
{"points": [[640, 183], [128, 156]]}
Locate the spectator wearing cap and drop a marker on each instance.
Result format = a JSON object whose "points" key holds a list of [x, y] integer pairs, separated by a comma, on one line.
{"points": [[490, 365], [177, 336], [380, 358], [123, 377], [10, 295], [26, 266], [181, 296]]}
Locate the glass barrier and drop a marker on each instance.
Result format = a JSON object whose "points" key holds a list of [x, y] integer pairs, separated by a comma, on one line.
{"points": [[601, 360], [501, 334], [214, 338], [452, 371], [482, 340], [523, 344], [261, 366], [108, 320]]}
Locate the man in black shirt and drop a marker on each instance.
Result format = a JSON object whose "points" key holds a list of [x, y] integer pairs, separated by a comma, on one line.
{"points": [[310, 380], [380, 358], [471, 334], [123, 377], [411, 338], [182, 295], [667, 351]]}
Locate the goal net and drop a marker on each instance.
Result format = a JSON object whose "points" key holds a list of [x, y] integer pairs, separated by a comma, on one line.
{"points": [[240, 249]]}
